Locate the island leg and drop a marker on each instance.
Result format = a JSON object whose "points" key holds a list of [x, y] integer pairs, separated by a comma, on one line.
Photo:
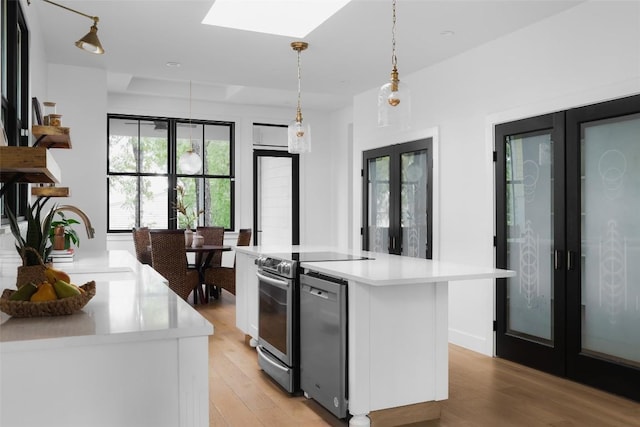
{"points": [[359, 421]]}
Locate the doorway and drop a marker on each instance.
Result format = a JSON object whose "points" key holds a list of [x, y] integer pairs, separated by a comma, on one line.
{"points": [[276, 216], [567, 203], [397, 199]]}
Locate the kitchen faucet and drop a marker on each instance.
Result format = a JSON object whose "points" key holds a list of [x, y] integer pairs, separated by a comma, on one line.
{"points": [[87, 223]]}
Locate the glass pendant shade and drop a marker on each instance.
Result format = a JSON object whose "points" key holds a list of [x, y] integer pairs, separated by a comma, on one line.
{"points": [[190, 163], [299, 137], [394, 105]]}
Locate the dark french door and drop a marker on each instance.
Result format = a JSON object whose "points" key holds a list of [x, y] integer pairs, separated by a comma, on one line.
{"points": [[568, 222], [397, 206]]}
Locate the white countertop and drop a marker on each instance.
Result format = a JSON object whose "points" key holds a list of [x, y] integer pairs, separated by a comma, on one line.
{"points": [[132, 303], [385, 269]]}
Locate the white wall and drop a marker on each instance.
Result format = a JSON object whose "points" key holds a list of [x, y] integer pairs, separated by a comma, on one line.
{"points": [[585, 55]]}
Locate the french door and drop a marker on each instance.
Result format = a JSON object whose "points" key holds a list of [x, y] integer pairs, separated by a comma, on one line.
{"points": [[568, 208], [397, 190]]}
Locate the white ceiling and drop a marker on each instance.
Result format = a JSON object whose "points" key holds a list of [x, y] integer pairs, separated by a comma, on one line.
{"points": [[348, 54]]}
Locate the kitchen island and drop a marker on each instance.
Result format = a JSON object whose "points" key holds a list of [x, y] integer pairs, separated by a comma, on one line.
{"points": [[135, 355], [397, 328]]}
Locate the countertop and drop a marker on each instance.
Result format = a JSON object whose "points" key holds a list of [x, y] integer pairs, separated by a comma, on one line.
{"points": [[132, 303], [385, 269]]}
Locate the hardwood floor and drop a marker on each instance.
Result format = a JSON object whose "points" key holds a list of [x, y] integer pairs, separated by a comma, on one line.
{"points": [[483, 391]]}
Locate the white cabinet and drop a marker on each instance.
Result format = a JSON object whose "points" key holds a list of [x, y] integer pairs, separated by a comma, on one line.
{"points": [[247, 295]]}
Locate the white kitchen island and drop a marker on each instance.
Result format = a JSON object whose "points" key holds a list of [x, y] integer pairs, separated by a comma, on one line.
{"points": [[397, 328], [135, 355]]}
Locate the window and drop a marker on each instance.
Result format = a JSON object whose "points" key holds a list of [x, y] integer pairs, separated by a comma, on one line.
{"points": [[14, 71], [144, 172]]}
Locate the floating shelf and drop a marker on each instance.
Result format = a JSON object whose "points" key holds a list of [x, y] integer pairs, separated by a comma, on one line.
{"points": [[29, 164], [50, 191], [51, 136]]}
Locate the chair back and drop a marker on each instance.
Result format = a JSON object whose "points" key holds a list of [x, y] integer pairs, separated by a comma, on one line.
{"points": [[142, 243], [170, 259], [244, 237], [213, 236]]}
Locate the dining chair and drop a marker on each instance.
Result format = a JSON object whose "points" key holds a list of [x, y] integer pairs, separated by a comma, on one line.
{"points": [[142, 243], [225, 277], [212, 236], [169, 258]]}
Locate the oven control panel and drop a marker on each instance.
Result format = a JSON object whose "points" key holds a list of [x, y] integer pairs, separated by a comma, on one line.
{"points": [[281, 267]]}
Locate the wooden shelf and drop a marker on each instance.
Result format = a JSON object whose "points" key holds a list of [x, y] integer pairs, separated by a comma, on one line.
{"points": [[51, 136], [28, 164], [50, 191]]}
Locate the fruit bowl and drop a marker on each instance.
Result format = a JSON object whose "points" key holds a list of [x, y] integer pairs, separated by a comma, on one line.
{"points": [[58, 307]]}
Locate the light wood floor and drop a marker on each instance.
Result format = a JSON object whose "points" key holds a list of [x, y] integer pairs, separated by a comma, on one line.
{"points": [[483, 391]]}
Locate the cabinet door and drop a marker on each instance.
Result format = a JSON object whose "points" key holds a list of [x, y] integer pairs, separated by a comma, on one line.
{"points": [[397, 199]]}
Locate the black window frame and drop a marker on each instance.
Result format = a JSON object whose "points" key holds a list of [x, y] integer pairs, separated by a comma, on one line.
{"points": [[15, 103], [172, 174]]}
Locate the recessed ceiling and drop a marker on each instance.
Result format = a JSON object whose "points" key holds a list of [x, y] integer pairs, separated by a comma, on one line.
{"points": [[347, 54]]}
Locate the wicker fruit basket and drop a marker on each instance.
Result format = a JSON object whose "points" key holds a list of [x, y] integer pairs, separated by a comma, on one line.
{"points": [[57, 307]]}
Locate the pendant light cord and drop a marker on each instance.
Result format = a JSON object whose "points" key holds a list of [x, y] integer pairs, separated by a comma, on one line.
{"points": [[394, 59], [299, 80], [190, 127]]}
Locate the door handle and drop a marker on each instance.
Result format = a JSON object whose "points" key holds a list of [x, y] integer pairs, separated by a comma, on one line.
{"points": [[570, 260]]}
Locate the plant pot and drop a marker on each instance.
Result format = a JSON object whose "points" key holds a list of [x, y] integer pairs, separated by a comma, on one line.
{"points": [[59, 242]]}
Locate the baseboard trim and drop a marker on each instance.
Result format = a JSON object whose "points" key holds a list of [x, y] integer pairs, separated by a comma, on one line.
{"points": [[409, 414]]}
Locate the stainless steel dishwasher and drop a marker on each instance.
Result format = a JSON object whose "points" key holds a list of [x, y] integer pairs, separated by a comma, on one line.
{"points": [[323, 341]]}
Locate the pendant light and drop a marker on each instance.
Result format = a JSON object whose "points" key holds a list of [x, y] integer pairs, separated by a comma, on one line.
{"points": [[190, 162], [394, 99], [90, 41], [299, 132]]}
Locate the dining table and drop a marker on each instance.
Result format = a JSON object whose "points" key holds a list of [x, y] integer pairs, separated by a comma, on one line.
{"points": [[204, 255]]}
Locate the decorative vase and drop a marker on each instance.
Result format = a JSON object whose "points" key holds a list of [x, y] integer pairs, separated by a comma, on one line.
{"points": [[198, 241], [188, 237]]}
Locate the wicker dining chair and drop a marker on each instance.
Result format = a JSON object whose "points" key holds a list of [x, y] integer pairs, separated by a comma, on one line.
{"points": [[212, 236], [142, 244], [170, 260], [225, 277]]}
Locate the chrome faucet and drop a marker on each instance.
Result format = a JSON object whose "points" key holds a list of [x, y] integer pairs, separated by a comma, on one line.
{"points": [[87, 223]]}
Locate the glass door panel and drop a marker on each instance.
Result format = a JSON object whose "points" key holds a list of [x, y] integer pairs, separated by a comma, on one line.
{"points": [[379, 202], [414, 203], [529, 196], [610, 244]]}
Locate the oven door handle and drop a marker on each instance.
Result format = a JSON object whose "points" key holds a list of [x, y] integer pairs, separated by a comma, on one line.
{"points": [[283, 284], [266, 358]]}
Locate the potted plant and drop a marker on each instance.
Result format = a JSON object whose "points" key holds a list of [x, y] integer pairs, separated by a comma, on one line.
{"points": [[37, 235], [187, 215], [61, 233], [32, 247]]}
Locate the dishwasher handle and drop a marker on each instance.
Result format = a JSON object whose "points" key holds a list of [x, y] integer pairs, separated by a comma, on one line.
{"points": [[319, 293]]}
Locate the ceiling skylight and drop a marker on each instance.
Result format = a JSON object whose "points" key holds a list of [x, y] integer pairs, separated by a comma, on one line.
{"points": [[294, 18]]}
